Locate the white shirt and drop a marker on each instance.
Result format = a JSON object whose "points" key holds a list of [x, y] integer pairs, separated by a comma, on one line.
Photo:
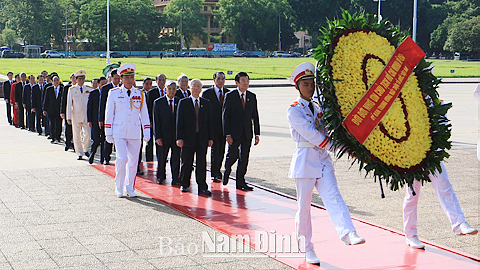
{"points": [[194, 100], [244, 95], [185, 93], [217, 91]]}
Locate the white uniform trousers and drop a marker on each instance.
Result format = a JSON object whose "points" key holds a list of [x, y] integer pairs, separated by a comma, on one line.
{"points": [[446, 195], [81, 137], [333, 201], [126, 163]]}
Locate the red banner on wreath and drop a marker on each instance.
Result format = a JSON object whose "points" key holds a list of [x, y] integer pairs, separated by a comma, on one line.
{"points": [[378, 99]]}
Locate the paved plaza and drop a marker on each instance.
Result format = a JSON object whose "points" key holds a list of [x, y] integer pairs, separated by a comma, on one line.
{"points": [[57, 212]]}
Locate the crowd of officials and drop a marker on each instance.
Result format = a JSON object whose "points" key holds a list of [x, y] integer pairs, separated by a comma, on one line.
{"points": [[184, 121]]}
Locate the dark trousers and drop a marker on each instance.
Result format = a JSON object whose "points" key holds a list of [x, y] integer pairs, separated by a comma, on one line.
{"points": [[217, 151], [149, 150], [200, 152], [68, 135], [162, 154], [30, 119], [38, 120], [21, 115], [46, 124], [240, 146], [97, 140], [9, 112], [107, 148], [55, 125]]}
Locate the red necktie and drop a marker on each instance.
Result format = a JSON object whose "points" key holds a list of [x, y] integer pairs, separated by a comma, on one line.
{"points": [[221, 97], [161, 93], [171, 105], [243, 101], [197, 110]]}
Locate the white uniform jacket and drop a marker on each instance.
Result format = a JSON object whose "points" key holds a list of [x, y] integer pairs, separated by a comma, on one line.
{"points": [[310, 157], [125, 116], [77, 103]]}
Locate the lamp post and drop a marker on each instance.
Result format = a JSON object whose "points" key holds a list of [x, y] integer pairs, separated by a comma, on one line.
{"points": [[279, 33], [181, 30], [414, 30], [108, 32], [379, 15]]}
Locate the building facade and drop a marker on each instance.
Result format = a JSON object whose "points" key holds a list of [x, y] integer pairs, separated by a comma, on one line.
{"points": [[212, 28]]}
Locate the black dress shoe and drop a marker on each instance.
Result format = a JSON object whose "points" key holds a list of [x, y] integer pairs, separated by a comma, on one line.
{"points": [[66, 148], [139, 172], [184, 189], [205, 192], [176, 183], [87, 154], [226, 175], [80, 158], [107, 162], [52, 141], [245, 187], [160, 181], [90, 159], [217, 180]]}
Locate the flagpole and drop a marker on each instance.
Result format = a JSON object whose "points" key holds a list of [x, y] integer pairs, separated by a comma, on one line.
{"points": [[108, 32]]}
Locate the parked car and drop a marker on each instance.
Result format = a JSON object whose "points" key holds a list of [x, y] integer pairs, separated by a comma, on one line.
{"points": [[52, 54], [114, 55], [238, 53], [281, 54], [12, 54]]}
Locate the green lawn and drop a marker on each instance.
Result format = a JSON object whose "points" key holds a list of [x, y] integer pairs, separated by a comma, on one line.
{"points": [[202, 68]]}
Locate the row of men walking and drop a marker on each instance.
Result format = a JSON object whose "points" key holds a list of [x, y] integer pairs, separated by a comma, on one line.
{"points": [[211, 120]]}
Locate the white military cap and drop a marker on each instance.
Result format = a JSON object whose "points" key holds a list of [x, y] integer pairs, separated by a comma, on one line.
{"points": [[80, 73], [127, 69], [303, 71]]}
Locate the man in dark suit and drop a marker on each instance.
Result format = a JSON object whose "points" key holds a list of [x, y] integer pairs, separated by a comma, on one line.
{"points": [[107, 151], [194, 136], [7, 86], [92, 118], [36, 101], [152, 95], [43, 87], [52, 106], [27, 103], [239, 111], [164, 126], [182, 91], [63, 110], [216, 96], [19, 99]]}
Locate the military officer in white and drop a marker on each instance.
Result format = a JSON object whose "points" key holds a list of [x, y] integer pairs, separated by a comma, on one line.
{"points": [[125, 117], [312, 166], [76, 111]]}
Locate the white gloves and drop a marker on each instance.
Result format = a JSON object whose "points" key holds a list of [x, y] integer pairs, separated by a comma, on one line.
{"points": [[146, 138], [109, 138]]}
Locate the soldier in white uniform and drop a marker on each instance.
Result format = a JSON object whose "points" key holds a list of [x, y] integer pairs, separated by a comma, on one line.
{"points": [[125, 117], [312, 166], [76, 111]]}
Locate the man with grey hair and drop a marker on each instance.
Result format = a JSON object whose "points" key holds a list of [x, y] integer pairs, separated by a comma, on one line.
{"points": [[152, 95], [194, 136], [182, 91]]}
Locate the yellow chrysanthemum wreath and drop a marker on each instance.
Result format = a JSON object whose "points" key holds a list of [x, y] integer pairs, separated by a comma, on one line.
{"points": [[411, 139], [347, 68]]}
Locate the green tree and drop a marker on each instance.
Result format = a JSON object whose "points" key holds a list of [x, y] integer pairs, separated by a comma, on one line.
{"points": [[8, 37], [255, 22], [464, 36], [188, 12]]}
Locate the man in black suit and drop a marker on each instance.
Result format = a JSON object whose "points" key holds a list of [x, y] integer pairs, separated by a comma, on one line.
{"points": [[92, 119], [194, 136], [164, 126], [52, 107], [27, 103], [7, 86], [43, 87], [239, 111], [36, 101], [63, 110], [152, 95], [182, 91], [216, 96], [107, 151], [19, 98]]}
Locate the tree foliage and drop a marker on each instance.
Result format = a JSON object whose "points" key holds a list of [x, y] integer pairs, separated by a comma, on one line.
{"points": [[464, 36], [191, 19], [255, 22]]}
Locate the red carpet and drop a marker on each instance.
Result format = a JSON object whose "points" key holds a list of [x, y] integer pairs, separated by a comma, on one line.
{"points": [[242, 213]]}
